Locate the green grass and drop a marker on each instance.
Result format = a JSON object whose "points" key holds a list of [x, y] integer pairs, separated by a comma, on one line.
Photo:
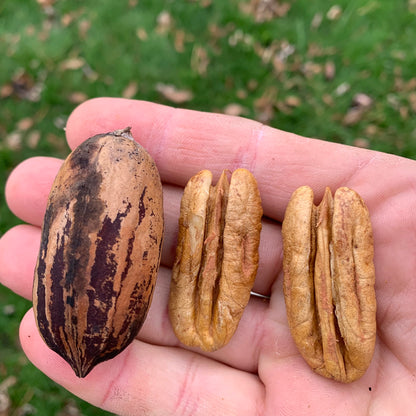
{"points": [[120, 42]]}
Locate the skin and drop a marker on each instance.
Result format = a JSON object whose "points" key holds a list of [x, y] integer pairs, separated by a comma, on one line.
{"points": [[260, 371]]}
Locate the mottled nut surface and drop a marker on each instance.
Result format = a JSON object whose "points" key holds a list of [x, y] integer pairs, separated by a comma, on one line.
{"points": [[100, 250], [216, 258], [329, 281]]}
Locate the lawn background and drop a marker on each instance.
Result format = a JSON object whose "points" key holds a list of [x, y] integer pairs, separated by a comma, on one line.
{"points": [[344, 72]]}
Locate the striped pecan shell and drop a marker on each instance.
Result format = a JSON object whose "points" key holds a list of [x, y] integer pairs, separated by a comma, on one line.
{"points": [[216, 258], [100, 250]]}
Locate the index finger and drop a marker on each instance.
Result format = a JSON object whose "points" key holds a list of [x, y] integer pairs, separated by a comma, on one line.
{"points": [[182, 142]]}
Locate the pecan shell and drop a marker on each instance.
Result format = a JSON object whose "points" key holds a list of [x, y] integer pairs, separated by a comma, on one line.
{"points": [[100, 250]]}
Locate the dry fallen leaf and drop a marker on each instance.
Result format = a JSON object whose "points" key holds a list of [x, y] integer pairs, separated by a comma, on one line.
{"points": [[353, 116], [329, 70], [342, 89], [141, 33], [317, 20], [83, 27], [360, 104], [46, 3], [265, 10], [362, 100], [235, 109], [14, 140], [131, 90], [412, 101], [334, 13], [77, 97], [33, 138], [72, 64], [179, 40], [6, 90], [199, 60], [25, 124], [171, 93], [293, 101], [164, 22], [311, 69], [25, 86], [361, 142], [265, 105]]}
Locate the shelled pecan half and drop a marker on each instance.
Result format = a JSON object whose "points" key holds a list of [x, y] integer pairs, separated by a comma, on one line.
{"points": [[329, 279], [216, 258]]}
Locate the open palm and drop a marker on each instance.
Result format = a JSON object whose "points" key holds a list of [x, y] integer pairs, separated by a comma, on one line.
{"points": [[260, 371]]}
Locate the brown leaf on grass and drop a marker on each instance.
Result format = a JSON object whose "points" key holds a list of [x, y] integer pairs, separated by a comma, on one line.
{"points": [[235, 109], [6, 90], [14, 140], [141, 33], [70, 409], [317, 20], [353, 116], [164, 22], [199, 60], [362, 142], [334, 13], [46, 3], [131, 90], [33, 138], [25, 123], [83, 28], [179, 40], [72, 64], [5, 403], [77, 97], [412, 6], [293, 101], [412, 101], [25, 87], [360, 104], [67, 19], [265, 10], [329, 70], [265, 105], [310, 69], [362, 100], [173, 94]]}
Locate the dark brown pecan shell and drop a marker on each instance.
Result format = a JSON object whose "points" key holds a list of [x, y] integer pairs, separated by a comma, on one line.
{"points": [[100, 250]]}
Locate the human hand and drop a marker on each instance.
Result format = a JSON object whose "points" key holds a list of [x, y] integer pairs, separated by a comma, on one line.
{"points": [[260, 371]]}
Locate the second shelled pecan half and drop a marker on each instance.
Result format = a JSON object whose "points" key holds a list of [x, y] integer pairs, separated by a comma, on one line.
{"points": [[216, 258], [329, 281]]}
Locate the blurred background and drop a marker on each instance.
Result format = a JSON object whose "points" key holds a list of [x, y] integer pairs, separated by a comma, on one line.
{"points": [[341, 71]]}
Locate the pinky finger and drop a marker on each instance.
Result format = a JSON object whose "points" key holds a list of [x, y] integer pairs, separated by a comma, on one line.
{"points": [[149, 379]]}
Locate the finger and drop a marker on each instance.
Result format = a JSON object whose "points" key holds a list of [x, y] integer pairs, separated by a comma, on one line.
{"points": [[184, 142], [28, 186], [149, 379], [27, 191], [18, 251]]}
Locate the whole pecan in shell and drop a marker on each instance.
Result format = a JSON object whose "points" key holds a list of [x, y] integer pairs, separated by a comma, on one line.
{"points": [[100, 250]]}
